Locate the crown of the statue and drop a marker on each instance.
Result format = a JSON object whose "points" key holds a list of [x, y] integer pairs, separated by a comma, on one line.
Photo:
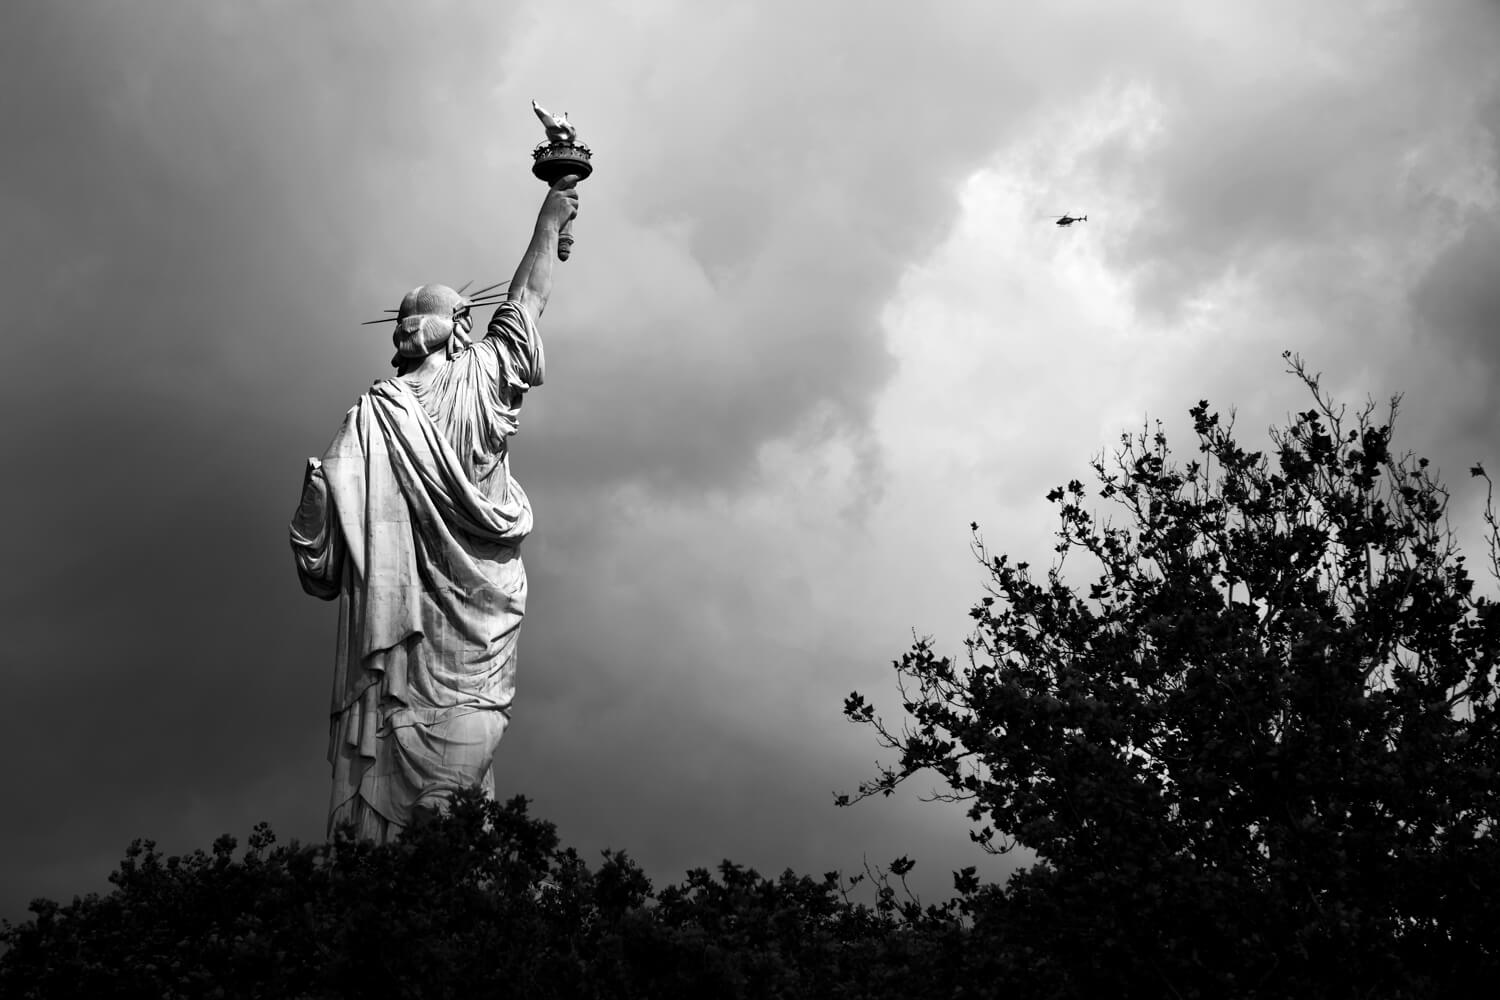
{"points": [[442, 302], [430, 300]]}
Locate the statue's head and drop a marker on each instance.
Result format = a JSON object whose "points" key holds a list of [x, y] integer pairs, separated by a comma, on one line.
{"points": [[430, 317]]}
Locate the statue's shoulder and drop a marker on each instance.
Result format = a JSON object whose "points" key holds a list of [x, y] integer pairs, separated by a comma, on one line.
{"points": [[387, 388], [383, 393]]}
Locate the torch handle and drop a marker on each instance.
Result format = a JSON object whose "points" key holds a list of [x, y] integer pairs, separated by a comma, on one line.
{"points": [[565, 240]]}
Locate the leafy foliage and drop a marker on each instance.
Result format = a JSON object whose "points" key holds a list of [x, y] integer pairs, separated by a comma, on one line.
{"points": [[1257, 753], [479, 902], [1254, 755]]}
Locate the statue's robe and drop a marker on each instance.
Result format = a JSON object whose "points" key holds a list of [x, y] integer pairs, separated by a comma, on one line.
{"points": [[417, 535]]}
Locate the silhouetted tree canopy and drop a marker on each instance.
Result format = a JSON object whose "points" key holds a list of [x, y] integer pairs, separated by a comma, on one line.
{"points": [[1248, 726], [1251, 742], [480, 902]]}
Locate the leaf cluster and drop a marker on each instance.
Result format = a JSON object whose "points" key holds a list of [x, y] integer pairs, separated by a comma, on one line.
{"points": [[1254, 751], [481, 901]]}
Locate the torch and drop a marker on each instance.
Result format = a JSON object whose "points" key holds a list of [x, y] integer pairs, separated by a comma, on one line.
{"points": [[562, 154]]}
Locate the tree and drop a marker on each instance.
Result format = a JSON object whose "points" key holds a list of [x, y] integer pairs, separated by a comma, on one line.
{"points": [[1256, 753], [479, 902]]}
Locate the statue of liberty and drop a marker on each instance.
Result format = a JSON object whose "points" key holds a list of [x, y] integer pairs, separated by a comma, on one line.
{"points": [[413, 522]]}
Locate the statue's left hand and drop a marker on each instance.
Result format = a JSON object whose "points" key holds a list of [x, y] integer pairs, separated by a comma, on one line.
{"points": [[314, 501], [314, 485]]}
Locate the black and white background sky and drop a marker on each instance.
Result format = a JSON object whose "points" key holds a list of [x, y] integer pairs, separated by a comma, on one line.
{"points": [[815, 323]]}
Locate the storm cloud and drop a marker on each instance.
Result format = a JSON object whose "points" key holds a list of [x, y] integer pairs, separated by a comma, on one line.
{"points": [[815, 322]]}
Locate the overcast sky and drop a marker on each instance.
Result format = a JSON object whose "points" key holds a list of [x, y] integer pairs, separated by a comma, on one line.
{"points": [[816, 322]]}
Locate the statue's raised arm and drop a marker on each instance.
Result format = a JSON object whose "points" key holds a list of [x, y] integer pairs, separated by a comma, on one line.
{"points": [[531, 285]]}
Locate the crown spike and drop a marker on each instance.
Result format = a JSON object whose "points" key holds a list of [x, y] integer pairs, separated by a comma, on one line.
{"points": [[488, 287]]}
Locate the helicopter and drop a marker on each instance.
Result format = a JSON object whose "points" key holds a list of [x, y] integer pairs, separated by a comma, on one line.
{"points": [[1067, 220]]}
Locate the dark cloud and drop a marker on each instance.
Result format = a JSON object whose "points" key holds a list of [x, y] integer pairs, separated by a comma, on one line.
{"points": [[794, 175], [1309, 157], [1336, 169], [209, 199], [1457, 301], [1457, 312], [202, 201]]}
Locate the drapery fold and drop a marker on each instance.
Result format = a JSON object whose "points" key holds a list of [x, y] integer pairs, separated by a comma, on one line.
{"points": [[413, 521]]}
